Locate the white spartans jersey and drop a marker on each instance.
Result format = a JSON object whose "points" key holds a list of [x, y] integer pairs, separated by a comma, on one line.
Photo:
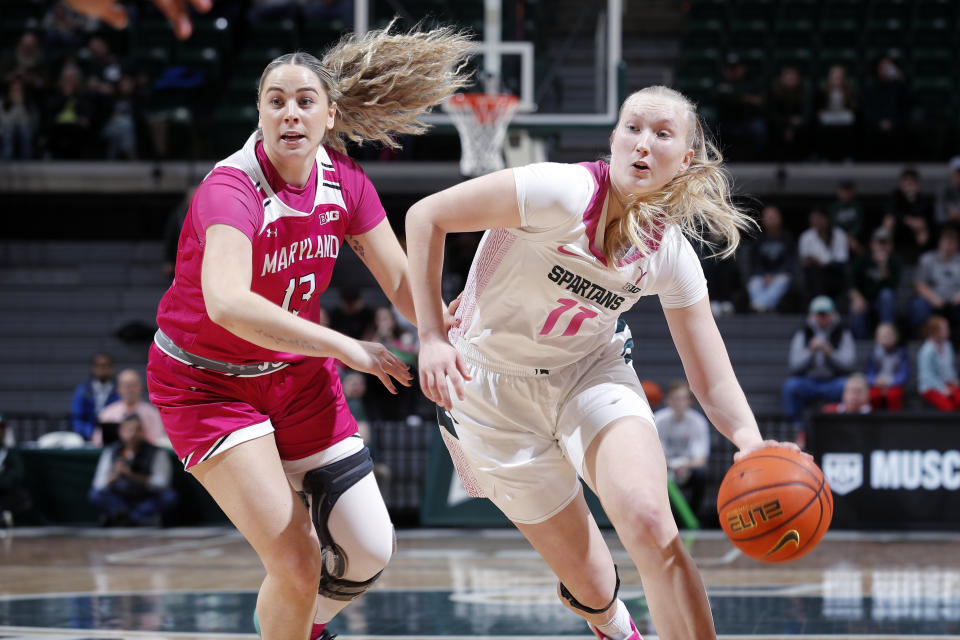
{"points": [[541, 296]]}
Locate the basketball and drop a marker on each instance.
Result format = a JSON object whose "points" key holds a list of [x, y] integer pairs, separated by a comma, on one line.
{"points": [[653, 392], [775, 505]]}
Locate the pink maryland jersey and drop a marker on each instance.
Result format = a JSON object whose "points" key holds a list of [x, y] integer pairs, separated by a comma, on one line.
{"points": [[297, 235], [541, 296]]}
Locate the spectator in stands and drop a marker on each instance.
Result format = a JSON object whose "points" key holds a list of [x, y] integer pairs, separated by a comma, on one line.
{"points": [[885, 112], [837, 115], [17, 123], [937, 282], [92, 396], [822, 354], [912, 217], [855, 399], [887, 369], [740, 111], [133, 483], [947, 207], [846, 212], [936, 372], [874, 280], [685, 436], [120, 132], [26, 62], [823, 252], [355, 391], [63, 28], [788, 116], [130, 389], [67, 117], [771, 260], [351, 316], [14, 498]]}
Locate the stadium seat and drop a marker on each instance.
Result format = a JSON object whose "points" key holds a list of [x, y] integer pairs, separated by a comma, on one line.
{"points": [[708, 10], [932, 62], [704, 33], [749, 33], [272, 33], [762, 10], [928, 32], [315, 37], [795, 32], [699, 63], [884, 32], [889, 10], [843, 32], [808, 10], [215, 33], [154, 33]]}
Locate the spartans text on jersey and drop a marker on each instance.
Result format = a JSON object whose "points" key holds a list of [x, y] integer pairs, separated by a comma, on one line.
{"points": [[584, 288], [327, 246]]}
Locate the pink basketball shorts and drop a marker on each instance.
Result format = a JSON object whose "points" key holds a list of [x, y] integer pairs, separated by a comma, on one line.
{"points": [[205, 412]]}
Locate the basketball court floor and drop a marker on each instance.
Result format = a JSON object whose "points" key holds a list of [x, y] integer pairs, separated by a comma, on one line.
{"points": [[73, 584]]}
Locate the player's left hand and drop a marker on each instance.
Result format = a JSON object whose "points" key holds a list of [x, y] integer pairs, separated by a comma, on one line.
{"points": [[114, 13], [739, 455]]}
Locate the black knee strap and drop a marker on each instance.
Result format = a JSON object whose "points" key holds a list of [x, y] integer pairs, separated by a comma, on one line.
{"points": [[340, 589], [576, 604], [325, 485]]}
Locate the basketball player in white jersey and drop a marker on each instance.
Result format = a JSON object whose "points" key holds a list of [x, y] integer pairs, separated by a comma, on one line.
{"points": [[536, 384]]}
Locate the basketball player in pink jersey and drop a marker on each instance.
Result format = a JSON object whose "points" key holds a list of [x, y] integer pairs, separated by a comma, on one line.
{"points": [[536, 385], [242, 374]]}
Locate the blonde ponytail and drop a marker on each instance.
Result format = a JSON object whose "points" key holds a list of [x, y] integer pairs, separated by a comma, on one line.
{"points": [[384, 82], [697, 200]]}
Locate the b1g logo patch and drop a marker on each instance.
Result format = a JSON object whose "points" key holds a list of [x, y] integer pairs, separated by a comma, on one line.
{"points": [[844, 471], [328, 216]]}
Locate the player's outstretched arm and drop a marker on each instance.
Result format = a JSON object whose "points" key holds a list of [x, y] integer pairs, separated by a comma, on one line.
{"points": [[226, 277], [482, 203], [711, 377], [114, 13]]}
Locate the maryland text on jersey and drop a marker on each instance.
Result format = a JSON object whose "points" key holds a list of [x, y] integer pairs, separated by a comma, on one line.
{"points": [[584, 288], [327, 246]]}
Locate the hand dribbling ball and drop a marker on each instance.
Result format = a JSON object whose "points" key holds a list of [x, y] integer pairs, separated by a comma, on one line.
{"points": [[775, 505]]}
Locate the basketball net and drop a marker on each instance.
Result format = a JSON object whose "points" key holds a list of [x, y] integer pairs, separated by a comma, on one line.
{"points": [[481, 120]]}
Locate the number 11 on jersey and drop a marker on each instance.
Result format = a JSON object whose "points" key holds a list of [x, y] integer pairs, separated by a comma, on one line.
{"points": [[566, 304]]}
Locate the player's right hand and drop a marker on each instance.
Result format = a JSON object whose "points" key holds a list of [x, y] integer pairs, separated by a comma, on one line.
{"points": [[376, 359], [438, 363]]}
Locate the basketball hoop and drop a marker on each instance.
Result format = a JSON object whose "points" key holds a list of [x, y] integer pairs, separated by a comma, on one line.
{"points": [[481, 120]]}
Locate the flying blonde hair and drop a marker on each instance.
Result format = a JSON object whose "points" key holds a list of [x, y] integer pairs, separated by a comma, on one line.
{"points": [[697, 200], [384, 82]]}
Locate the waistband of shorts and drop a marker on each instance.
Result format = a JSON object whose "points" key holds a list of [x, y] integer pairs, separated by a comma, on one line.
{"points": [[169, 347], [471, 354]]}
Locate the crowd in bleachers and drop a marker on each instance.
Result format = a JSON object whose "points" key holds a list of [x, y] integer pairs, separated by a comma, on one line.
{"points": [[889, 273], [795, 80]]}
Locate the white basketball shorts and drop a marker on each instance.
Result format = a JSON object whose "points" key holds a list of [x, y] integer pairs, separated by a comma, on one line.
{"points": [[525, 436]]}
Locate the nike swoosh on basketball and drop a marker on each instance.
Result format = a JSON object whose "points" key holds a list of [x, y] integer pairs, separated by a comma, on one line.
{"points": [[790, 536]]}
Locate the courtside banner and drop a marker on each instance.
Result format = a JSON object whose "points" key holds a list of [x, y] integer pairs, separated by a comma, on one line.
{"points": [[447, 503], [891, 470]]}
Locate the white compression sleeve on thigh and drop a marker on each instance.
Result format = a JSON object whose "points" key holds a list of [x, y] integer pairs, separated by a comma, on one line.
{"points": [[360, 525]]}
